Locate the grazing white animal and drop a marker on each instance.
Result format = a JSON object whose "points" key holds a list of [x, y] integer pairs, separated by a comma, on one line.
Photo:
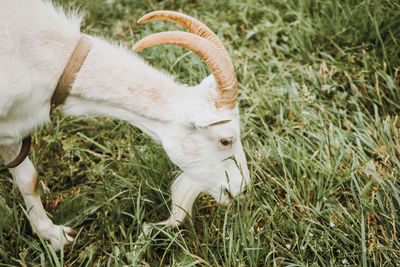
{"points": [[197, 126]]}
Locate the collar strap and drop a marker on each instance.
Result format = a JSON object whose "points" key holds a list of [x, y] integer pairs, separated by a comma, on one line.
{"points": [[67, 78], [26, 144], [61, 92]]}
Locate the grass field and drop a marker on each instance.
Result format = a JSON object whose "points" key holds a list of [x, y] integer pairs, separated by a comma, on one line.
{"points": [[319, 85]]}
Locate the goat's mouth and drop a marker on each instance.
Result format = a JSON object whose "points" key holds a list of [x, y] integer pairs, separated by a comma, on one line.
{"points": [[229, 197], [223, 194]]}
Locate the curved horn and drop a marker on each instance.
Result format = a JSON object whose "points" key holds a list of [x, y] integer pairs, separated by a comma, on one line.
{"points": [[192, 24], [220, 66]]}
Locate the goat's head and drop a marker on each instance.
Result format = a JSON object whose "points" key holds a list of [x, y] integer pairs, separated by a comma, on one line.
{"points": [[207, 146]]}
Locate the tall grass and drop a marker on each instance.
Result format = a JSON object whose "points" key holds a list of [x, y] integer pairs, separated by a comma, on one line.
{"points": [[319, 83]]}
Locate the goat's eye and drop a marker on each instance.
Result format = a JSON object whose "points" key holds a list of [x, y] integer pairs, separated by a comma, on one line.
{"points": [[226, 141]]}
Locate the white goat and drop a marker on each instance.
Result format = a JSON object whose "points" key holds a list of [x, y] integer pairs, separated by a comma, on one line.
{"points": [[197, 126]]}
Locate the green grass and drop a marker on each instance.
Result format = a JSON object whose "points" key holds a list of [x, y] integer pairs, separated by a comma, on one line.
{"points": [[320, 99]]}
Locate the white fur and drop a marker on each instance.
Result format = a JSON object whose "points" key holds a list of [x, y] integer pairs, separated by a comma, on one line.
{"points": [[36, 40]]}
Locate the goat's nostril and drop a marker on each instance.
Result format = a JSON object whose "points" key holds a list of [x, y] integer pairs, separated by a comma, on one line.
{"points": [[228, 193]]}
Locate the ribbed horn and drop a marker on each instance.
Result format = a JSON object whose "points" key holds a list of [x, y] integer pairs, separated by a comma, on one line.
{"points": [[192, 24], [220, 66], [198, 28]]}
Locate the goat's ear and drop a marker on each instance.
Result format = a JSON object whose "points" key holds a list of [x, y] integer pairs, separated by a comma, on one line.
{"points": [[204, 118], [204, 124], [207, 119], [208, 82]]}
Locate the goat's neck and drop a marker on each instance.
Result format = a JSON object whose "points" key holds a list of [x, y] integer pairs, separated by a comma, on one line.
{"points": [[116, 83]]}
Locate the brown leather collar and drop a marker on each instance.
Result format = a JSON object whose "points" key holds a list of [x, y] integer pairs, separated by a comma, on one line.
{"points": [[67, 78], [61, 92]]}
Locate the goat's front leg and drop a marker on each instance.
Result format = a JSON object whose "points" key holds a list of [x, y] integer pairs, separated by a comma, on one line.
{"points": [[25, 177]]}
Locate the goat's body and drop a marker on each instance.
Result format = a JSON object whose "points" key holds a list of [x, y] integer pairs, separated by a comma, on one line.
{"points": [[36, 41]]}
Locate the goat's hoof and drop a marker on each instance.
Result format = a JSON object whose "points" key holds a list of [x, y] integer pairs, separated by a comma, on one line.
{"points": [[59, 235], [171, 222]]}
